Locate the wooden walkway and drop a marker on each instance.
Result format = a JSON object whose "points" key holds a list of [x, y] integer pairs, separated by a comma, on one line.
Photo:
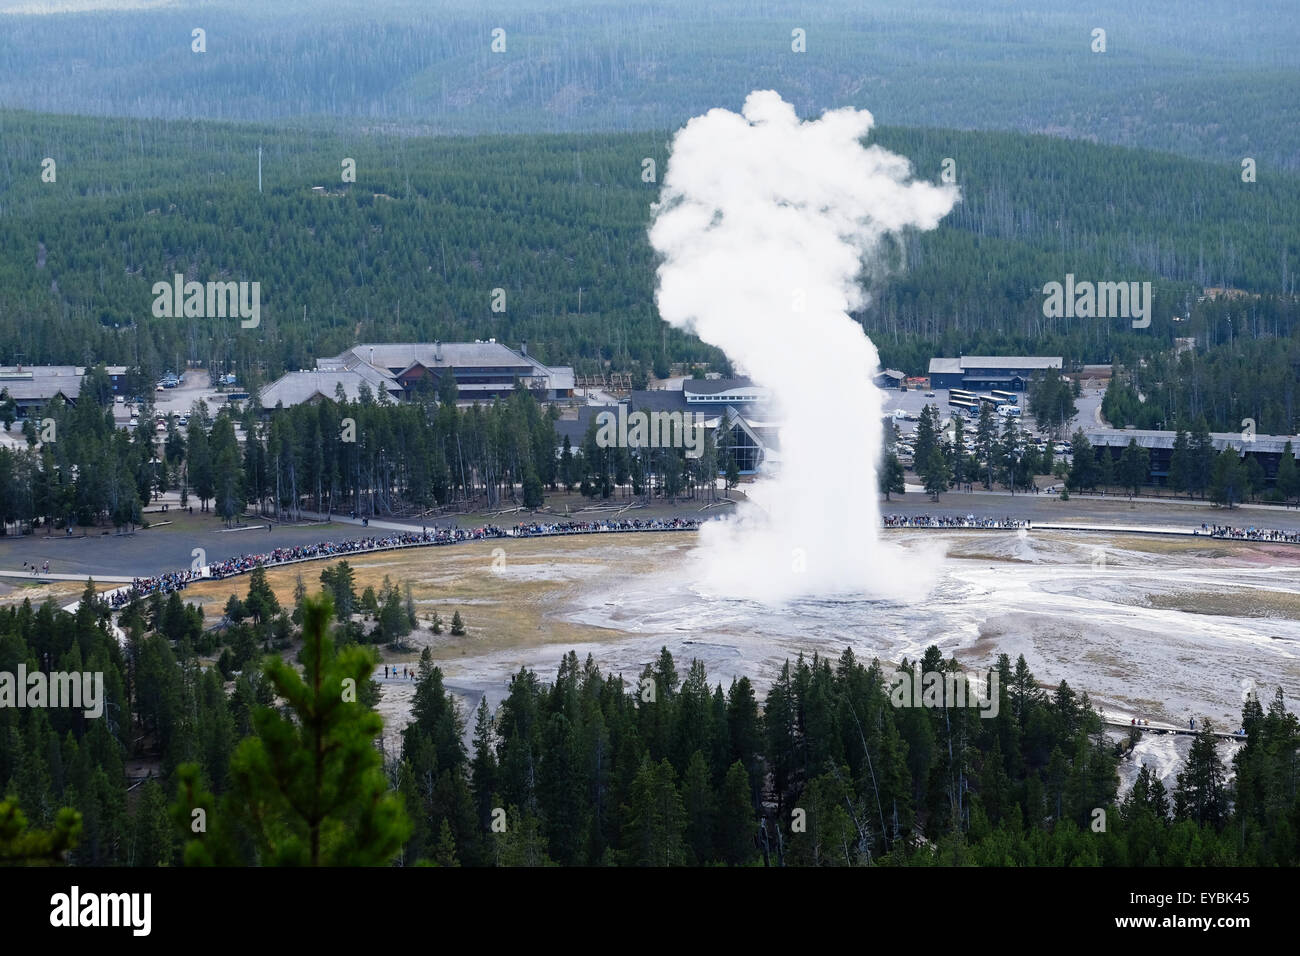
{"points": [[1159, 728]]}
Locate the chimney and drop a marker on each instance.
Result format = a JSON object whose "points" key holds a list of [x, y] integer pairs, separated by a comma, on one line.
{"points": [[523, 349], [437, 351]]}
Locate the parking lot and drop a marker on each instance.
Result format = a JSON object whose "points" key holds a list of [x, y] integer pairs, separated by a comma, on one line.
{"points": [[897, 403], [195, 386]]}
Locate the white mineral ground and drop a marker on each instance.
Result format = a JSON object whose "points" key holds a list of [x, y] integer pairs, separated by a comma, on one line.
{"points": [[1147, 627]]}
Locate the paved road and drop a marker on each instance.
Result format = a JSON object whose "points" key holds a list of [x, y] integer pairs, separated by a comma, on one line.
{"points": [[27, 575], [153, 551]]}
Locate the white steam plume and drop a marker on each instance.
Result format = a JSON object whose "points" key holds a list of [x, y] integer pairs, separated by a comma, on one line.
{"points": [[763, 226]]}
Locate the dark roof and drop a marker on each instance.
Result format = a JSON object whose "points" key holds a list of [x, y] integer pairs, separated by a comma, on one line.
{"points": [[713, 386], [1010, 361], [576, 428], [659, 400], [1150, 438]]}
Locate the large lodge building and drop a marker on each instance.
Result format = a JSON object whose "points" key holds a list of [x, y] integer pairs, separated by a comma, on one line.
{"points": [[1011, 373], [482, 371], [1266, 449]]}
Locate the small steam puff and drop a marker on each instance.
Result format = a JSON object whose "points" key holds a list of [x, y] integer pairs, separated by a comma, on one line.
{"points": [[763, 226]]}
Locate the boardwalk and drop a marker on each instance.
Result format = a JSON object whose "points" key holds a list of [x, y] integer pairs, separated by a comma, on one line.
{"points": [[1160, 728]]}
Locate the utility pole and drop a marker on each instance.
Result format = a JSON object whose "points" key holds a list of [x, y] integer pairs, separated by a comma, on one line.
{"points": [[259, 169]]}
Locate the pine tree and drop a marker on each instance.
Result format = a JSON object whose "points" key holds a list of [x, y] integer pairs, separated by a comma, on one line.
{"points": [[926, 438], [153, 837], [1288, 476], [1202, 457], [986, 440], [522, 843], [698, 801], [445, 855], [1180, 463], [483, 767], [935, 474], [309, 790], [1228, 478], [261, 601], [1201, 791], [891, 476], [1105, 468], [533, 496], [656, 820], [19, 843], [956, 451], [340, 583], [736, 819], [1133, 466]]}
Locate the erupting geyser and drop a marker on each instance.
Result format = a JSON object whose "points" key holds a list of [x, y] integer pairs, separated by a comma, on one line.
{"points": [[763, 226]]}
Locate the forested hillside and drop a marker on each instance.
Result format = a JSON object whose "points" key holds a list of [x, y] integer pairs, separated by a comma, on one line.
{"points": [[1210, 78], [413, 249]]}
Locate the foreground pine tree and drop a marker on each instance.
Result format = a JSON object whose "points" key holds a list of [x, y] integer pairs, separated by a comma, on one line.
{"points": [[308, 788], [20, 844]]}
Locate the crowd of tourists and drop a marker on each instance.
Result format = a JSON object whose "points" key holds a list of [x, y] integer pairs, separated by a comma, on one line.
{"points": [[952, 521], [143, 587], [538, 528], [241, 564], [328, 549], [1250, 534]]}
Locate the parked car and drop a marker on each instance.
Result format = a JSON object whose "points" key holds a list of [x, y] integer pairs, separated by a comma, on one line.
{"points": [[134, 422]]}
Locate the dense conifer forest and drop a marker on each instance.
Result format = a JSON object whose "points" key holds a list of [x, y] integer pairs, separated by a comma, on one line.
{"points": [[666, 767], [1202, 77], [413, 250]]}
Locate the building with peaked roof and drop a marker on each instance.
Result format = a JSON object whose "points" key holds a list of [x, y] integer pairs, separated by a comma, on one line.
{"points": [[890, 378], [481, 371], [1008, 372], [32, 387], [298, 388], [735, 404]]}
